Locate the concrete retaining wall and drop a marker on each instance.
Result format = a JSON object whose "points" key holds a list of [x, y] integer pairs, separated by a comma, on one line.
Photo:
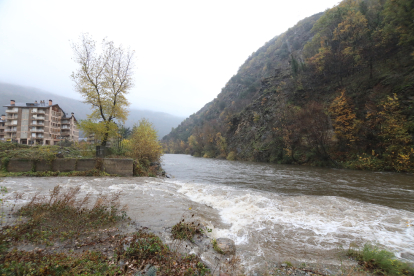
{"points": [[122, 167], [64, 165], [43, 166], [86, 164], [20, 165]]}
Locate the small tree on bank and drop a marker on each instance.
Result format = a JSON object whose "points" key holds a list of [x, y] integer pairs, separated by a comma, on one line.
{"points": [[143, 144], [103, 79]]}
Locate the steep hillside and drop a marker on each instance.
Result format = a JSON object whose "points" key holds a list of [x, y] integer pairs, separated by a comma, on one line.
{"points": [[336, 89], [162, 122]]}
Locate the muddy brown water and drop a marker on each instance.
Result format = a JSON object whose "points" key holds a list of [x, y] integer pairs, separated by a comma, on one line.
{"points": [[274, 213]]}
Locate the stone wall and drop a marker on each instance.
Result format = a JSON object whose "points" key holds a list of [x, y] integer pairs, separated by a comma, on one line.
{"points": [[122, 167]]}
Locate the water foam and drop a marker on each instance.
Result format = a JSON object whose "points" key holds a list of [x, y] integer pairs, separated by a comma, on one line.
{"points": [[319, 222]]}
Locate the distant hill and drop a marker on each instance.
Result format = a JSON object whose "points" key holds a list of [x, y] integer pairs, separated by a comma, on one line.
{"points": [[162, 122], [336, 89]]}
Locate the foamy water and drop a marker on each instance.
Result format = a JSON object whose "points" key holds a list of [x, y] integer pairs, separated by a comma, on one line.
{"points": [[272, 214], [279, 213]]}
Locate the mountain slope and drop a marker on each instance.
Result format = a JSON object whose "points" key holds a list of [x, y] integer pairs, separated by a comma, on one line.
{"points": [[162, 122], [336, 89]]}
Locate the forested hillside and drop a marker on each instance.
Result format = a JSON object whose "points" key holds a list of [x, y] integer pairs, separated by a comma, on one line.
{"points": [[337, 89]]}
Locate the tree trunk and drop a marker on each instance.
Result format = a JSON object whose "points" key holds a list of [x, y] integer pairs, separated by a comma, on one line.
{"points": [[105, 139]]}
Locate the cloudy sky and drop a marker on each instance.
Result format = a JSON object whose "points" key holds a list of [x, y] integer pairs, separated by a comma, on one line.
{"points": [[185, 51]]}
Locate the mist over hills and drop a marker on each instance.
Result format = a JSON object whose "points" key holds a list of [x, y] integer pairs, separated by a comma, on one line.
{"points": [[162, 122], [336, 89]]}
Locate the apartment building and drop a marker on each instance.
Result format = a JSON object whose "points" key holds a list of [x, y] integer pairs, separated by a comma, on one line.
{"points": [[38, 123], [2, 127]]}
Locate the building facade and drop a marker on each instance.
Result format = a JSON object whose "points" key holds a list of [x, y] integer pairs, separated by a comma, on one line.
{"points": [[2, 126], [38, 123]]}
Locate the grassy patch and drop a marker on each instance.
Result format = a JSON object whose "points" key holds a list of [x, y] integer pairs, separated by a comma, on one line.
{"points": [[62, 216], [74, 235], [380, 261], [94, 172], [38, 263], [39, 152], [216, 247], [186, 230]]}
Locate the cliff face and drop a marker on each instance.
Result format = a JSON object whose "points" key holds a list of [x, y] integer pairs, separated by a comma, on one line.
{"points": [[336, 87]]}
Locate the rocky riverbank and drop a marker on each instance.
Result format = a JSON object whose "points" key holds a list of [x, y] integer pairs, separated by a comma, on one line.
{"points": [[155, 207]]}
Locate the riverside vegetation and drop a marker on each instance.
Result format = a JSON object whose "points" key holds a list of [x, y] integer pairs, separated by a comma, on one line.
{"points": [[76, 236], [336, 90], [140, 143], [67, 234]]}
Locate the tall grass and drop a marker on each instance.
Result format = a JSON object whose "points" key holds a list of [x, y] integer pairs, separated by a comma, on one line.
{"points": [[380, 261]]}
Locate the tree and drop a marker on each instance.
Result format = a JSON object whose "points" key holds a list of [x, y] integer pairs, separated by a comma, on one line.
{"points": [[143, 144], [99, 130], [344, 120], [103, 80]]}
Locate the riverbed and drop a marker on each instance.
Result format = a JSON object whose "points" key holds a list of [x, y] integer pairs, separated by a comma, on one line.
{"points": [[274, 213]]}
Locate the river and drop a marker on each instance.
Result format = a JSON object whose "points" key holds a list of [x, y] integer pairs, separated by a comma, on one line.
{"points": [[278, 212], [274, 213]]}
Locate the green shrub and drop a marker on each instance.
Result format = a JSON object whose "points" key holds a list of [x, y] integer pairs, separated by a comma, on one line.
{"points": [[231, 156], [380, 261]]}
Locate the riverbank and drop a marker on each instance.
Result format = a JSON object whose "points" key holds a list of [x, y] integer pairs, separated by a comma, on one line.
{"points": [[157, 204]]}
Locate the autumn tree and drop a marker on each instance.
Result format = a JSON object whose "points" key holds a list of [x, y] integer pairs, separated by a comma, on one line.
{"points": [[395, 146], [143, 144], [99, 130], [343, 120], [103, 80]]}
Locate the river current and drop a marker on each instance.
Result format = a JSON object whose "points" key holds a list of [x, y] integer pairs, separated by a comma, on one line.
{"points": [[277, 212], [274, 213]]}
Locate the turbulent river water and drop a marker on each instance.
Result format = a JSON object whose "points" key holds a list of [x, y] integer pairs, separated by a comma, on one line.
{"points": [[274, 213]]}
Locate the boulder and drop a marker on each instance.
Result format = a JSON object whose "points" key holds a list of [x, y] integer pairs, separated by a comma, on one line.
{"points": [[407, 256], [227, 246]]}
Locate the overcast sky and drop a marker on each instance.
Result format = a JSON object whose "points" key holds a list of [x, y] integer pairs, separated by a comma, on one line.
{"points": [[185, 51]]}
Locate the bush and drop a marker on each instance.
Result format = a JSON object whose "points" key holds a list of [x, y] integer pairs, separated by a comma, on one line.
{"points": [[231, 156], [380, 261], [144, 144]]}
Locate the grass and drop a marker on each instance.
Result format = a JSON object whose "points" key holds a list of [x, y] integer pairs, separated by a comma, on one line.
{"points": [[216, 247], [186, 230], [94, 172], [76, 235], [13, 150], [61, 216], [380, 261]]}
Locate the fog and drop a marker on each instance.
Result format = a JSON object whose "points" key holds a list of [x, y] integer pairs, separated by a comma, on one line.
{"points": [[185, 51]]}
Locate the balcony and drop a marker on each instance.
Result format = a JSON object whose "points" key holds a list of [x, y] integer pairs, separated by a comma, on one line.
{"points": [[38, 117], [37, 130], [12, 117], [39, 111], [12, 110], [66, 122]]}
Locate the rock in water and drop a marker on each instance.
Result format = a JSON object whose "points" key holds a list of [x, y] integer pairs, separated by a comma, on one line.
{"points": [[227, 246]]}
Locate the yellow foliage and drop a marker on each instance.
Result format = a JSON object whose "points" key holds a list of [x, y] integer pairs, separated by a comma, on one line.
{"points": [[144, 144], [231, 156], [344, 119]]}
